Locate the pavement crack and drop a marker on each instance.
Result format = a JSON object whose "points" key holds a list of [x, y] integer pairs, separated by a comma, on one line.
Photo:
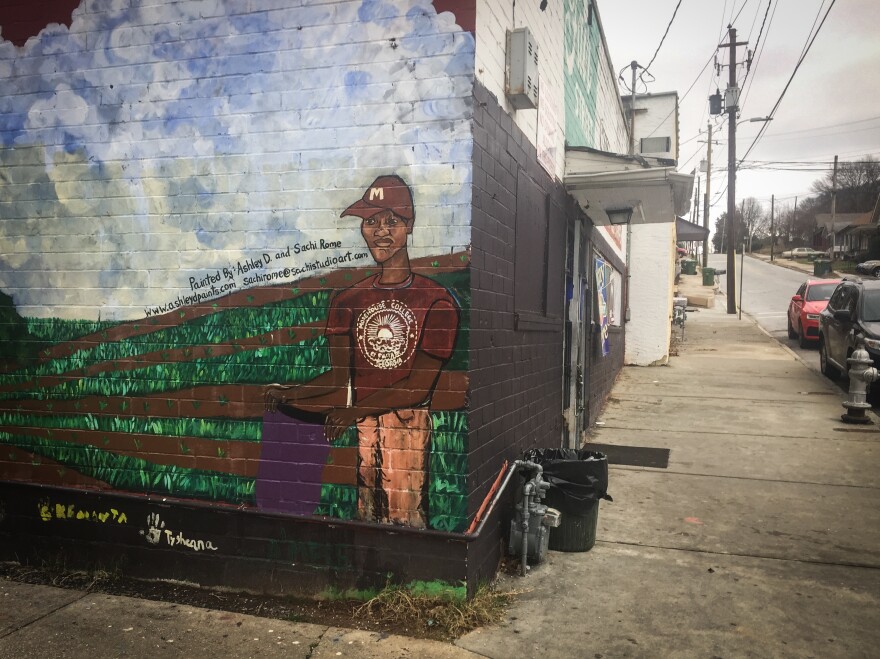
{"points": [[805, 561], [42, 617], [871, 434], [655, 470], [476, 653], [313, 646]]}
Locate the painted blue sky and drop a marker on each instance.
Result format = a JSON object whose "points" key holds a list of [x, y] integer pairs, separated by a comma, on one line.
{"points": [[153, 142]]}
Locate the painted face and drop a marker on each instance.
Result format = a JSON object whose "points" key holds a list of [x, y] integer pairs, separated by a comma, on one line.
{"points": [[385, 234]]}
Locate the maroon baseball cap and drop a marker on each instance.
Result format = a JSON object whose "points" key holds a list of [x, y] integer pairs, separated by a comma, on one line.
{"points": [[385, 193]]}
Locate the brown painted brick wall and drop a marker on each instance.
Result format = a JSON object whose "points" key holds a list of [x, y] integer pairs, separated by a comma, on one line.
{"points": [[515, 375]]}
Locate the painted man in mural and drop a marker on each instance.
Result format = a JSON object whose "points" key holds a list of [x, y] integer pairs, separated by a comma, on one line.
{"points": [[389, 335]]}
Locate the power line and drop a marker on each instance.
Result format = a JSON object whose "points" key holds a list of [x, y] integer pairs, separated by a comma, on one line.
{"points": [[753, 66], [715, 74], [696, 80], [743, 6], [810, 41], [793, 73], [823, 135], [843, 123], [816, 130], [662, 39], [816, 18]]}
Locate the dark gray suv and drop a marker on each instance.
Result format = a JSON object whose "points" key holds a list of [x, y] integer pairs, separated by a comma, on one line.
{"points": [[853, 311]]}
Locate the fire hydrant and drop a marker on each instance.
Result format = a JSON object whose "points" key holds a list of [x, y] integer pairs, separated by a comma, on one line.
{"points": [[861, 373]]}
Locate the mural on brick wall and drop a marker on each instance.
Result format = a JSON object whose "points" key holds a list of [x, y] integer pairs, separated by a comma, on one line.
{"points": [[389, 335], [198, 300]]}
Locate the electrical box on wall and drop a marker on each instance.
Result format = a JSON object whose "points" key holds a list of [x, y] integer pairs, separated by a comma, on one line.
{"points": [[522, 69]]}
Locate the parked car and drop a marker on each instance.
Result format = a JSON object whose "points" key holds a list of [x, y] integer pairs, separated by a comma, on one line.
{"points": [[852, 314], [871, 267], [801, 253], [805, 307]]}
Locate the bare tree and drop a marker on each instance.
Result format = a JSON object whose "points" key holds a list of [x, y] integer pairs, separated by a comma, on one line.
{"points": [[754, 220], [858, 184], [785, 224]]}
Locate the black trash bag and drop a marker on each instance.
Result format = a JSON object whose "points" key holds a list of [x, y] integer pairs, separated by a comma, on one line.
{"points": [[578, 478]]}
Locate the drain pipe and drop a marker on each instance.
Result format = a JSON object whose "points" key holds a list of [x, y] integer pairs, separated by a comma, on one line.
{"points": [[527, 494], [495, 493]]}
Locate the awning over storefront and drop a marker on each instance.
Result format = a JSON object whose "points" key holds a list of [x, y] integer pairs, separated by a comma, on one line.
{"points": [[689, 232], [608, 185]]}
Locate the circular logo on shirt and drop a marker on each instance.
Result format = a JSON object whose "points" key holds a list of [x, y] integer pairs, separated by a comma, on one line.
{"points": [[386, 333]]}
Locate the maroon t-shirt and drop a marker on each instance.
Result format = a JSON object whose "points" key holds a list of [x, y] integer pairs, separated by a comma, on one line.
{"points": [[389, 324]]}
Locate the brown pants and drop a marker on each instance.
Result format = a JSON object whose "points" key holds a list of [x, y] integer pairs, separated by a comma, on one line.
{"points": [[392, 465]]}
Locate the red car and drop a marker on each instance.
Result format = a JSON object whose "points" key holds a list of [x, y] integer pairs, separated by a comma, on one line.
{"points": [[804, 309]]}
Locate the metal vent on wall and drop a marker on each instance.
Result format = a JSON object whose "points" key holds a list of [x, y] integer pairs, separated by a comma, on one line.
{"points": [[522, 69], [655, 145]]}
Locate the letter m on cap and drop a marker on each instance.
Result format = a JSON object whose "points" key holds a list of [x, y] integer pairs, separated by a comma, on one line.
{"points": [[377, 192]]}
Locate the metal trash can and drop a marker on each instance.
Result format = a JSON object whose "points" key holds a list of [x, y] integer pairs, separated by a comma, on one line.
{"points": [[708, 276], [688, 267], [821, 267], [578, 479]]}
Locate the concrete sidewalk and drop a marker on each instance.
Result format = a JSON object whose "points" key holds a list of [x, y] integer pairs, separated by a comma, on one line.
{"points": [[761, 538], [42, 621]]}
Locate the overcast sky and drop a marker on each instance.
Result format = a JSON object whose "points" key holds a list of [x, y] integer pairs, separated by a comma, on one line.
{"points": [[831, 107]]}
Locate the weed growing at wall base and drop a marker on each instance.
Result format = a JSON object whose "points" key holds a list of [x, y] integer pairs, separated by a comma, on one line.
{"points": [[434, 604]]}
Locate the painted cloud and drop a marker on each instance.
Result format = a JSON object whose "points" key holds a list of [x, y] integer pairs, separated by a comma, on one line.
{"points": [[155, 142]]}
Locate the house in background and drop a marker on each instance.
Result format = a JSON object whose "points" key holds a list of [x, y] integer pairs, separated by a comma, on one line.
{"points": [[851, 233], [198, 206]]}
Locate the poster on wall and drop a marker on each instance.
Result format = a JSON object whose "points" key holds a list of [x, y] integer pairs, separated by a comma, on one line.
{"points": [[609, 283], [603, 315]]}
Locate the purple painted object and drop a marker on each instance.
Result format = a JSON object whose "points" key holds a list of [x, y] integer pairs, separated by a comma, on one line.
{"points": [[292, 458]]}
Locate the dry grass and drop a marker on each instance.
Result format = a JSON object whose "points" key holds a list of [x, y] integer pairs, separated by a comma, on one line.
{"points": [[434, 610]]}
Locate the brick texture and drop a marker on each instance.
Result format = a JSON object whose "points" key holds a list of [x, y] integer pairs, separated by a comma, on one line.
{"points": [[515, 376]]}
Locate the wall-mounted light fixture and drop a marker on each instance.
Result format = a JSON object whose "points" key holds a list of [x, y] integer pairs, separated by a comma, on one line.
{"points": [[620, 215]]}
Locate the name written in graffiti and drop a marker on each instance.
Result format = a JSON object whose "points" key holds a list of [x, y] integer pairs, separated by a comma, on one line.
{"points": [[49, 511], [266, 268], [156, 533], [249, 267]]}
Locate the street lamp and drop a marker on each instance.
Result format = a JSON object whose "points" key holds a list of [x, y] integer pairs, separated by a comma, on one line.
{"points": [[755, 120], [619, 215]]}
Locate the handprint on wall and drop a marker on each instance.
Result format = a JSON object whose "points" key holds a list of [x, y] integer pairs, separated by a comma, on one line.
{"points": [[154, 531]]}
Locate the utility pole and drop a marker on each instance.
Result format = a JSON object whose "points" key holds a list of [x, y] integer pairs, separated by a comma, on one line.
{"points": [[732, 105], [772, 230], [833, 209], [632, 109], [695, 214], [742, 261], [706, 204]]}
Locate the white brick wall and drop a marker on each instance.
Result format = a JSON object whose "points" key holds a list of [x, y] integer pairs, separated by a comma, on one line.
{"points": [[660, 119], [494, 19], [650, 298]]}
